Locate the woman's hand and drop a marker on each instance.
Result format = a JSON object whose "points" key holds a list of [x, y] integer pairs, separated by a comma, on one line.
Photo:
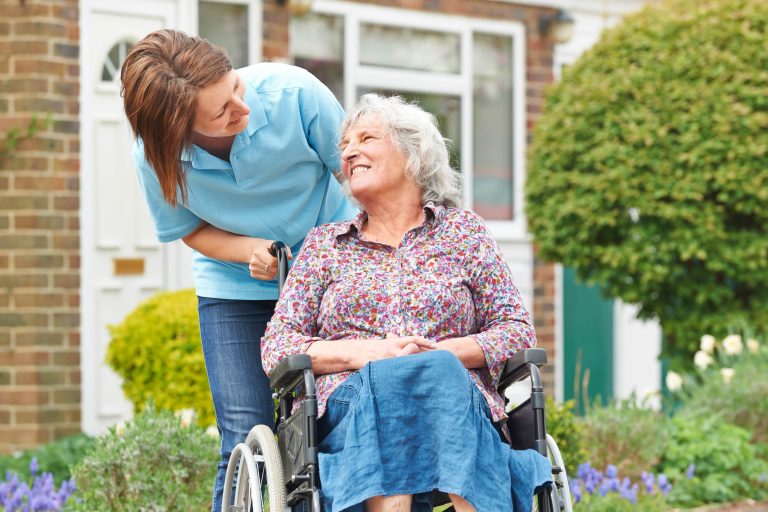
{"points": [[396, 346], [223, 245], [262, 264]]}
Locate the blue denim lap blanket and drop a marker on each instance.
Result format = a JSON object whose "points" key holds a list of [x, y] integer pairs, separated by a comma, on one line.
{"points": [[409, 425]]}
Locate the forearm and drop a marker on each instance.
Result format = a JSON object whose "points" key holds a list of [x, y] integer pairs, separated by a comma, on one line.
{"points": [[466, 349], [334, 356], [221, 245]]}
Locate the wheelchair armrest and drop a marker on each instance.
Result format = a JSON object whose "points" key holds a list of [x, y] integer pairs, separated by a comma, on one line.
{"points": [[290, 371], [516, 367]]}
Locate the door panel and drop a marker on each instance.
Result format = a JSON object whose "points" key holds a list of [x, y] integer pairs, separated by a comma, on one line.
{"points": [[122, 262], [587, 342]]}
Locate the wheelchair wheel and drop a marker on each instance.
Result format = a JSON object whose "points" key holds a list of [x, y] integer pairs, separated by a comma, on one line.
{"points": [[259, 486], [558, 497]]}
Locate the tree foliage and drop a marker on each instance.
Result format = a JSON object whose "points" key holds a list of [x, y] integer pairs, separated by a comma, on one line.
{"points": [[649, 167]]}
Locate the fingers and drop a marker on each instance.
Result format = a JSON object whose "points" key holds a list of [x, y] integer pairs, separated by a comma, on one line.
{"points": [[421, 342], [262, 264], [409, 349]]}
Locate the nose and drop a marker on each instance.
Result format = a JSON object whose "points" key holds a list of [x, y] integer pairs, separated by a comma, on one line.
{"points": [[241, 107], [349, 152]]}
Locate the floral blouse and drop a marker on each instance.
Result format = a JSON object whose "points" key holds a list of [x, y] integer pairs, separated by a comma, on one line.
{"points": [[447, 279]]}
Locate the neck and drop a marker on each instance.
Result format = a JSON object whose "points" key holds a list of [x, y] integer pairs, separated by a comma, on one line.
{"points": [[217, 146], [388, 224]]}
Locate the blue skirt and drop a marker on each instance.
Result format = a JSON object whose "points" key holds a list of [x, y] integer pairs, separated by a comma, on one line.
{"points": [[413, 424]]}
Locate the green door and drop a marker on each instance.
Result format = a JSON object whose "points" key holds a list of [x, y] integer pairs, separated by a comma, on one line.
{"points": [[587, 342]]}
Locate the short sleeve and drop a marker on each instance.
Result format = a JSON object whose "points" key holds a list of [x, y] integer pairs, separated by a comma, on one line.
{"points": [[321, 116], [171, 223]]}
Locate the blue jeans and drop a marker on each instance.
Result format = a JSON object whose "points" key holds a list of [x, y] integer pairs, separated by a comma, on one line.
{"points": [[231, 332]]}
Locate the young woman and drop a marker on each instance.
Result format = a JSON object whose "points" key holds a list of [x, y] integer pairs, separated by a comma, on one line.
{"points": [[230, 160]]}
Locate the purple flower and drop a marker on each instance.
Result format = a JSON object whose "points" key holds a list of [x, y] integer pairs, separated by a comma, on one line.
{"points": [[611, 471], [664, 485], [576, 490], [690, 471], [34, 467], [648, 480]]}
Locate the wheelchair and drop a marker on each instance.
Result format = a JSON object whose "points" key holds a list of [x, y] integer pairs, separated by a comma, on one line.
{"points": [[281, 475]]}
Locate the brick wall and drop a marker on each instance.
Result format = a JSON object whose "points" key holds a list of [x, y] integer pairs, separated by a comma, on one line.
{"points": [[539, 61], [39, 224]]}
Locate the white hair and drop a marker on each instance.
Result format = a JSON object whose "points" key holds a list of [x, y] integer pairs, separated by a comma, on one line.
{"points": [[415, 134]]}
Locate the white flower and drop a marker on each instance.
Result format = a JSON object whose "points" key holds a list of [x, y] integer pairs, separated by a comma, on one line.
{"points": [[212, 431], [674, 381], [708, 343], [727, 374], [702, 359], [732, 344], [120, 428], [186, 417], [753, 345]]}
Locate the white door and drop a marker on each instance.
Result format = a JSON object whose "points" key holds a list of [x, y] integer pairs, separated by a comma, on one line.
{"points": [[122, 262]]}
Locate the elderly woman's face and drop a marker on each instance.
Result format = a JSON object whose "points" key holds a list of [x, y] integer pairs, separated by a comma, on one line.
{"points": [[371, 162]]}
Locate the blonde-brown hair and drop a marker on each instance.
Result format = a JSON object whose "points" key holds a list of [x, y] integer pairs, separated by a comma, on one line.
{"points": [[160, 79]]}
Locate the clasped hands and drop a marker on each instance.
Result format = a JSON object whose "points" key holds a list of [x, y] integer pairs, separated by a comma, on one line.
{"points": [[397, 346]]}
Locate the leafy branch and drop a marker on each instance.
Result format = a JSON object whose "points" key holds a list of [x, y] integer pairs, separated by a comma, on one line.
{"points": [[15, 134]]}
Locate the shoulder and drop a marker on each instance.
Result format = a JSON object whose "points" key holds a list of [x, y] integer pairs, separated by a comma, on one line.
{"points": [[465, 221], [272, 76]]}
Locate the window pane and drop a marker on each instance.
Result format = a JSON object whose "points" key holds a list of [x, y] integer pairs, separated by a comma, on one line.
{"points": [[447, 109], [492, 126], [226, 25], [317, 45], [394, 47]]}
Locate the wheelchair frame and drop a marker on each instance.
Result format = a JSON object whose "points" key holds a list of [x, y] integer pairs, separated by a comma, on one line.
{"points": [[289, 466]]}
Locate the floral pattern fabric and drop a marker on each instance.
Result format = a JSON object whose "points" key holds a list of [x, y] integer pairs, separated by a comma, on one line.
{"points": [[447, 279]]}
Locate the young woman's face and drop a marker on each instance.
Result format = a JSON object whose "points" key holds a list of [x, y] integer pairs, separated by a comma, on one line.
{"points": [[220, 109], [371, 163]]}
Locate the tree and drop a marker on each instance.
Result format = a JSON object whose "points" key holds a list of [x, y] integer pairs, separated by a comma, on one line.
{"points": [[649, 167]]}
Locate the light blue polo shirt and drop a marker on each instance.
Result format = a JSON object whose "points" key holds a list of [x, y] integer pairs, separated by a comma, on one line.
{"points": [[277, 185]]}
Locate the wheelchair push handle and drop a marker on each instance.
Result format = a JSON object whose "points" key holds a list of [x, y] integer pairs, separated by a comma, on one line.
{"points": [[280, 251]]}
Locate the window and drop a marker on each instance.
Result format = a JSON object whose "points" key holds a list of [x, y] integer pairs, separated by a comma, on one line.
{"points": [[226, 25], [468, 72], [114, 60]]}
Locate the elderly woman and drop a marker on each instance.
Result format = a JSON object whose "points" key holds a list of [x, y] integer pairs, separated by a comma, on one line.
{"points": [[413, 275]]}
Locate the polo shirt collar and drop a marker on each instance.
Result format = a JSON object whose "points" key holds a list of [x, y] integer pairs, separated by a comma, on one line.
{"points": [[433, 214]]}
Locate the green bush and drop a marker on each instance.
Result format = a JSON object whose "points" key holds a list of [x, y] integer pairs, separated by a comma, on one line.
{"points": [[734, 386], [56, 458], [725, 466], [649, 167], [157, 352], [625, 434], [568, 431], [153, 463]]}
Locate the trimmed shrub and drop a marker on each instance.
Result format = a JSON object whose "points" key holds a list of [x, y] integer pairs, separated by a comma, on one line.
{"points": [[153, 463], [649, 167], [156, 350]]}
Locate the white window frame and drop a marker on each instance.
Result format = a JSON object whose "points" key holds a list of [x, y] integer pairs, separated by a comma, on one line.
{"points": [[254, 23], [460, 85]]}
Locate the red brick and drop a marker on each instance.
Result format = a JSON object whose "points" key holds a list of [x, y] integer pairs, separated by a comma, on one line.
{"points": [[35, 28], [40, 339], [44, 222], [66, 358], [13, 396], [38, 300], [38, 261], [22, 358], [26, 437], [39, 183]]}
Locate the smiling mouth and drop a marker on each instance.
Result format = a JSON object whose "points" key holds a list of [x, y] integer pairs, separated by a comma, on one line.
{"points": [[359, 168]]}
